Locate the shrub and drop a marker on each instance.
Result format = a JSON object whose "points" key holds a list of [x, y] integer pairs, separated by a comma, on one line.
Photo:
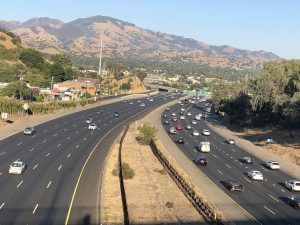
{"points": [[128, 172], [147, 132]]}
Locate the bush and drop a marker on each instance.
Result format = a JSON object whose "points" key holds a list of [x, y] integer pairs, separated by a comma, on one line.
{"points": [[146, 133], [128, 172]]}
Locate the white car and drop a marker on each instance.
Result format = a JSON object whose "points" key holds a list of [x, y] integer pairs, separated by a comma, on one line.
{"points": [[143, 104], [182, 117], [173, 114], [17, 167], [92, 126], [194, 122], [255, 175], [272, 165], [188, 127], [293, 185], [182, 109], [198, 117], [151, 99], [179, 102], [168, 108], [89, 120], [172, 130], [230, 141], [188, 113], [196, 133], [206, 132]]}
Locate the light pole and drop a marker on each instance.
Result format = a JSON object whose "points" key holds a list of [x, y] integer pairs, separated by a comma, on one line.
{"points": [[21, 81], [86, 89]]}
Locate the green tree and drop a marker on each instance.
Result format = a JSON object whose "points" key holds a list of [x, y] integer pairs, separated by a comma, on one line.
{"points": [[32, 58], [147, 132], [62, 59], [58, 72], [16, 89]]}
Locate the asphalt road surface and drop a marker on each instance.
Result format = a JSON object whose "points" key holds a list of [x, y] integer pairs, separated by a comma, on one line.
{"points": [[59, 185], [265, 200]]}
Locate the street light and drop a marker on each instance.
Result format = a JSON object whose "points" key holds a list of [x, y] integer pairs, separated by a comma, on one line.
{"points": [[86, 82]]}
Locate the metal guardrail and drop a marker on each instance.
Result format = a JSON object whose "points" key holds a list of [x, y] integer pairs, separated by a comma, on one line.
{"points": [[196, 200], [122, 188]]}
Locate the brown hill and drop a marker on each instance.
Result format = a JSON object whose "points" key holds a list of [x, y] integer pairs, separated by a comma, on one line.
{"points": [[82, 37]]}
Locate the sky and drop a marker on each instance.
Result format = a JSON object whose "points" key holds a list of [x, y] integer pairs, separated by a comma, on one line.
{"points": [[270, 25]]}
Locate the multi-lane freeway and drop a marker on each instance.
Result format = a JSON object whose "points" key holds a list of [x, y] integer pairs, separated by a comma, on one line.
{"points": [[265, 200], [65, 160]]}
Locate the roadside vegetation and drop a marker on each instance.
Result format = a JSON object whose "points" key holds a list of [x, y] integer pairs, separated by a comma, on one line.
{"points": [[147, 132], [271, 98]]}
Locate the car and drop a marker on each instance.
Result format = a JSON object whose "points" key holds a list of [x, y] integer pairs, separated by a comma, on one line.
{"points": [[273, 165], [151, 99], [182, 109], [179, 102], [188, 113], [179, 140], [206, 132], [17, 167], [165, 116], [167, 108], [196, 133], [143, 104], [255, 175], [294, 201], [247, 160], [131, 103], [179, 127], [139, 101], [292, 185], [29, 131], [115, 114], [124, 101], [201, 161], [198, 117], [166, 122], [230, 141], [172, 130], [194, 122], [174, 119], [182, 117], [173, 114], [92, 126], [98, 112], [188, 127], [88, 120], [233, 185]]}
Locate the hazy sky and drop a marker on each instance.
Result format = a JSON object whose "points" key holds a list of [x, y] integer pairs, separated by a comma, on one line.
{"points": [[271, 25]]}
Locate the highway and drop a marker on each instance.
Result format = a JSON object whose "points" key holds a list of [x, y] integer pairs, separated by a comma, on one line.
{"points": [[65, 160], [265, 200]]}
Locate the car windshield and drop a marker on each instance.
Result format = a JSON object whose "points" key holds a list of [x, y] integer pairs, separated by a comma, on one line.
{"points": [[275, 163], [16, 164]]}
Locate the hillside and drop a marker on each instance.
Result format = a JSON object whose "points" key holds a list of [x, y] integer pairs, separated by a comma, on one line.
{"points": [[81, 37]]}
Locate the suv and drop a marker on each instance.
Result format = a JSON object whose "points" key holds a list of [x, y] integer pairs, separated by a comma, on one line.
{"points": [[17, 167], [233, 185], [293, 185]]}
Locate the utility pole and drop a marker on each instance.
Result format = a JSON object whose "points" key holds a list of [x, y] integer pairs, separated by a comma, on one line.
{"points": [[51, 86], [100, 65]]}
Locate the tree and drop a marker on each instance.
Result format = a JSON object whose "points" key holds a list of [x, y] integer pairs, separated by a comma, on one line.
{"points": [[16, 89], [32, 58], [62, 59], [58, 72], [147, 132]]}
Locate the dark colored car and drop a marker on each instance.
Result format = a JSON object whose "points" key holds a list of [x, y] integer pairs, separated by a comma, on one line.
{"points": [[166, 122], [98, 112], [294, 201], [116, 114], [201, 161], [247, 160], [233, 185], [179, 140]]}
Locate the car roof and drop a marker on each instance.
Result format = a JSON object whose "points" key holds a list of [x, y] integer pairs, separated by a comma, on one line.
{"points": [[296, 197]]}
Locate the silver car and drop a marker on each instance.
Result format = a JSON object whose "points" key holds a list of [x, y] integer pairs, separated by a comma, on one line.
{"points": [[29, 131]]}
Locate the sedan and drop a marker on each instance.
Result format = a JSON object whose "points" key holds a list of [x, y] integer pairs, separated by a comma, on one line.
{"points": [[188, 127], [194, 122], [165, 116], [201, 161], [17, 167], [166, 122], [233, 185], [188, 113], [174, 119], [98, 112], [196, 133], [247, 160], [143, 104], [294, 201], [206, 132], [92, 126], [173, 114], [29, 130], [255, 175], [292, 185], [179, 140], [179, 127], [182, 117], [230, 141], [89, 120], [172, 130], [272, 165]]}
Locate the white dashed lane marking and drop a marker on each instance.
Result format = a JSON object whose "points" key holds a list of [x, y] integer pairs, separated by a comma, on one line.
{"points": [[269, 210], [19, 143], [19, 184], [2, 205], [44, 141], [58, 145], [49, 184], [2, 153], [48, 154], [36, 206], [59, 167], [77, 146], [247, 179], [274, 198], [220, 172], [31, 149], [68, 155], [35, 166], [228, 166]]}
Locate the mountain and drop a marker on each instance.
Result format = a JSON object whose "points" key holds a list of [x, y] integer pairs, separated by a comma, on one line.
{"points": [[81, 37]]}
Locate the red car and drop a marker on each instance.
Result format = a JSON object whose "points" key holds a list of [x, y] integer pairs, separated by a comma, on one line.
{"points": [[179, 127]]}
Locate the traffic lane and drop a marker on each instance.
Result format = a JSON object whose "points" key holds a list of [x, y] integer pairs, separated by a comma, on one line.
{"points": [[269, 211]]}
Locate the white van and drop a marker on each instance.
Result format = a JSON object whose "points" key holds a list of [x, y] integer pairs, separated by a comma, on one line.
{"points": [[204, 146]]}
